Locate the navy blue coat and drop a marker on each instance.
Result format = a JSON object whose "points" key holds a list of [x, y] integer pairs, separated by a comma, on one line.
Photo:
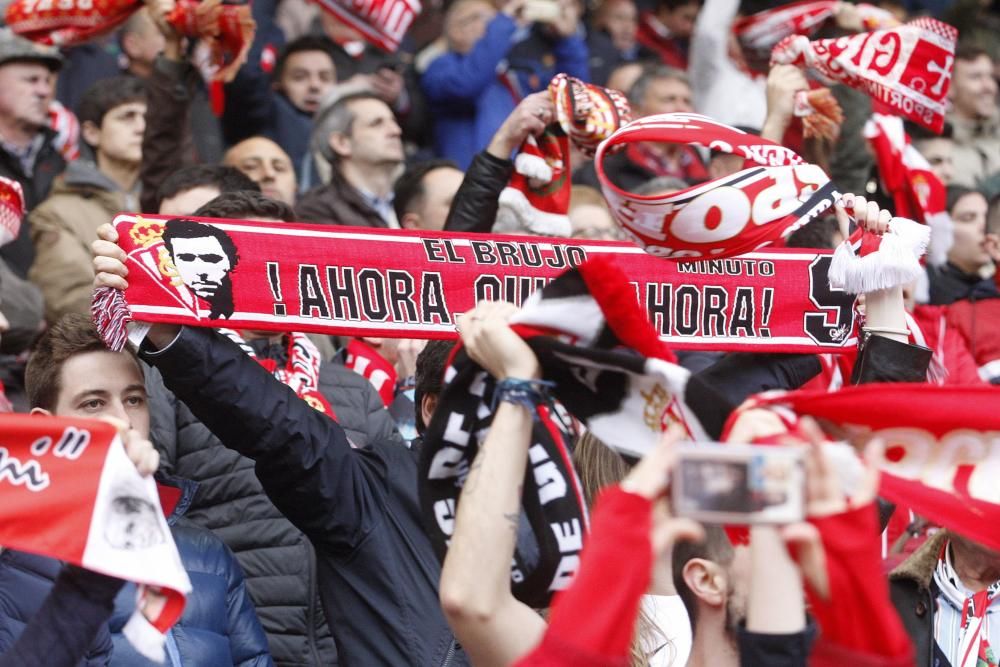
{"points": [[377, 571], [25, 582], [219, 626]]}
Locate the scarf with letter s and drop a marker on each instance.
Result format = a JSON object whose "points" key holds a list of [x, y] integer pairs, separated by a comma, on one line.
{"points": [[68, 491], [907, 69], [609, 371], [775, 195], [355, 282]]}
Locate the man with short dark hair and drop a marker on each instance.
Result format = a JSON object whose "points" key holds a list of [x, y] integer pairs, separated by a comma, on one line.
{"points": [[88, 194], [975, 116], [190, 188], [27, 154], [282, 106], [360, 138], [423, 194], [667, 30]]}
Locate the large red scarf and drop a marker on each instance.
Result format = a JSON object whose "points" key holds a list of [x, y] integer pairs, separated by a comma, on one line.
{"points": [[228, 29], [69, 491], [360, 282], [725, 217], [942, 452], [907, 69]]}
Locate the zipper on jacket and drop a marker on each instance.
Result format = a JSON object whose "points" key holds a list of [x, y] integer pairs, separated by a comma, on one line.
{"points": [[450, 654], [313, 593]]}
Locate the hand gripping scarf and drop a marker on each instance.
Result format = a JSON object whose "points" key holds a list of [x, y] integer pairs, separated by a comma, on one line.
{"points": [[609, 370], [405, 284], [820, 113], [69, 491], [758, 33], [725, 217], [227, 29], [907, 69], [917, 192], [942, 453], [537, 197], [383, 23], [11, 210], [867, 262]]}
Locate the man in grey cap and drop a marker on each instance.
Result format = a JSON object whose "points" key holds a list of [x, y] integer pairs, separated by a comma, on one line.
{"points": [[27, 87]]}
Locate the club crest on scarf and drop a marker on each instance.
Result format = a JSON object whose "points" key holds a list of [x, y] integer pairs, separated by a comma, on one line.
{"points": [[190, 261], [729, 216]]}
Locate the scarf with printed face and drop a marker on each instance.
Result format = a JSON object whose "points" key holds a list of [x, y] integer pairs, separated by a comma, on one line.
{"points": [[724, 217], [300, 371], [942, 452], [537, 197], [907, 69], [610, 371], [11, 210], [69, 491], [917, 192], [383, 23], [758, 33], [228, 29], [966, 641]]}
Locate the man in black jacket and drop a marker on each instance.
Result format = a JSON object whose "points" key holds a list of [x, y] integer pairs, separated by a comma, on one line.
{"points": [[27, 88], [356, 501]]}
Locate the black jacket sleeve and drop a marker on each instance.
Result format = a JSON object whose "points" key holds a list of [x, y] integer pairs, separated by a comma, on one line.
{"points": [[474, 208], [716, 391], [330, 491], [791, 650], [886, 360], [62, 631]]}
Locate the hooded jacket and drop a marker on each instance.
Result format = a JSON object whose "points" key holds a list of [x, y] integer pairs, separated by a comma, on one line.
{"points": [[62, 229], [219, 626], [376, 569], [277, 559]]}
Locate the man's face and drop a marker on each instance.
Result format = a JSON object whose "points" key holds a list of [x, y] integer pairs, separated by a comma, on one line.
{"points": [[969, 218], [375, 136], [466, 24], [440, 187], [104, 384], [119, 137], [267, 165], [307, 78], [973, 89], [26, 90], [938, 152], [201, 263], [621, 20], [186, 202], [680, 21], [665, 96], [593, 223]]}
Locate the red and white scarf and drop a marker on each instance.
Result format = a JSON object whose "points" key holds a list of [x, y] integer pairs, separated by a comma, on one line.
{"points": [[365, 360], [405, 284], [941, 446], [917, 192], [866, 262], [907, 69], [227, 29], [301, 369], [724, 217], [69, 491], [383, 23], [11, 210], [537, 197], [758, 33]]}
